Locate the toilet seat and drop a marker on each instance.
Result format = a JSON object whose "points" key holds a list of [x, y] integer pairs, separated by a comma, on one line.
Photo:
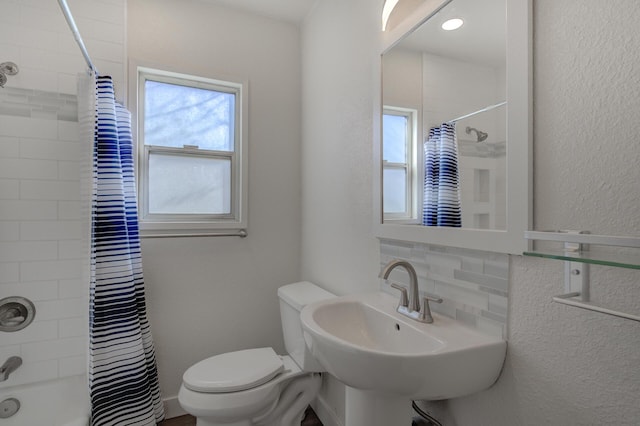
{"points": [[234, 371], [248, 403]]}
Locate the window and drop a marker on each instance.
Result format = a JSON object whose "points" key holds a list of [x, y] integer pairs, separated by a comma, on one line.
{"points": [[399, 172], [192, 153]]}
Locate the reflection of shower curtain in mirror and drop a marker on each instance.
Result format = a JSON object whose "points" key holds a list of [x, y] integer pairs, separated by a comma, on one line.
{"points": [[441, 205]]}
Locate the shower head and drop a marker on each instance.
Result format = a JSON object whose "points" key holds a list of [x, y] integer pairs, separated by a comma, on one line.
{"points": [[480, 135], [7, 68]]}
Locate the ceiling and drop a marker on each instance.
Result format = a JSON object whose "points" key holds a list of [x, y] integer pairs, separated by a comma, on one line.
{"points": [[288, 10], [481, 40]]}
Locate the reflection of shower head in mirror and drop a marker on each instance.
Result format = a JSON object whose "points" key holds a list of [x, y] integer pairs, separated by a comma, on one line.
{"points": [[480, 135]]}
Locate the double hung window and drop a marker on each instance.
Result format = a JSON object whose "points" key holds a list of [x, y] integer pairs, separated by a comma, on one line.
{"points": [[192, 152]]}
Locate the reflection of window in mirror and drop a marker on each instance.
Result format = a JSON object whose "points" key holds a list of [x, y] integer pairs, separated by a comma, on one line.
{"points": [[400, 172]]}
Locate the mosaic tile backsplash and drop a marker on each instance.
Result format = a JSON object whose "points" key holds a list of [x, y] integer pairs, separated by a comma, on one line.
{"points": [[473, 284]]}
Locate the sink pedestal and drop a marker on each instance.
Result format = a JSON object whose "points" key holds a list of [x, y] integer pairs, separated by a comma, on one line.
{"points": [[366, 408]]}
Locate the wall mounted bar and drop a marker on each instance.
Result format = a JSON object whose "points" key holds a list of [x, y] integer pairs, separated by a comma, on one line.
{"points": [[569, 299], [76, 34], [242, 233]]}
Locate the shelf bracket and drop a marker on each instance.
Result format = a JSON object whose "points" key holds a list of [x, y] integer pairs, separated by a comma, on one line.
{"points": [[576, 274]]}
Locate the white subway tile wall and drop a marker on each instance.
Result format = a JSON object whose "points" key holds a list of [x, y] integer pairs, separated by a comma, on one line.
{"points": [[474, 285], [41, 225], [35, 35], [40, 248]]}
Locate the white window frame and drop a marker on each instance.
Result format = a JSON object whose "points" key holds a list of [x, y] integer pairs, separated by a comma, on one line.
{"points": [[413, 195], [193, 224]]}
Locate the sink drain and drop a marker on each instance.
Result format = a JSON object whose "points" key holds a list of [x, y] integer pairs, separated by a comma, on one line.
{"points": [[9, 407]]}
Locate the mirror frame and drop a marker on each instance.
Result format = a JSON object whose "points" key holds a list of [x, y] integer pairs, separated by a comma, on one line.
{"points": [[519, 140]]}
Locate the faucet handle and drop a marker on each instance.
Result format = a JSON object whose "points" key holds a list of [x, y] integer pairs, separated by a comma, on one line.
{"points": [[404, 299], [425, 315], [433, 299]]}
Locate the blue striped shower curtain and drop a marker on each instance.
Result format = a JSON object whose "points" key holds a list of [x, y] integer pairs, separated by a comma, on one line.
{"points": [[123, 378], [441, 204]]}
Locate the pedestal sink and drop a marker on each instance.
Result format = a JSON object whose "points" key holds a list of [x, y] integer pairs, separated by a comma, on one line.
{"points": [[386, 359]]}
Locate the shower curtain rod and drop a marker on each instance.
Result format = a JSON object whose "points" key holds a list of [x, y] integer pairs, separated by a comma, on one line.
{"points": [[76, 34], [489, 108]]}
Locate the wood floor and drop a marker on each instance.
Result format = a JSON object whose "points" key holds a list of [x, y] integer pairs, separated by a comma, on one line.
{"points": [[179, 421], [310, 419]]}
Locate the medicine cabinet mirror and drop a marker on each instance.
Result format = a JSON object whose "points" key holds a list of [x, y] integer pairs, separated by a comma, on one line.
{"points": [[477, 78]]}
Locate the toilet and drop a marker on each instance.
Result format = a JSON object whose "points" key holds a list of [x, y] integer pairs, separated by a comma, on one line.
{"points": [[257, 386]]}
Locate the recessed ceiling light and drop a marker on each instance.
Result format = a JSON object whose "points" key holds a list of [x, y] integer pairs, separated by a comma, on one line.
{"points": [[452, 24]]}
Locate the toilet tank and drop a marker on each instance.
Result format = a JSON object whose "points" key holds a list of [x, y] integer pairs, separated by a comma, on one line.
{"points": [[294, 297]]}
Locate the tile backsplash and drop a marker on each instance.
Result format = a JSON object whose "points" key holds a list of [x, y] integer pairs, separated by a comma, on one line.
{"points": [[473, 284]]}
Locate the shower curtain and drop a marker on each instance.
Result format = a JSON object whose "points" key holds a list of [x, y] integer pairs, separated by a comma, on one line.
{"points": [[441, 204], [123, 379]]}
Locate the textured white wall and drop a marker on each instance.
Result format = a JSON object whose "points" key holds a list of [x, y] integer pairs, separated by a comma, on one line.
{"points": [[213, 295], [564, 365], [339, 250], [587, 100]]}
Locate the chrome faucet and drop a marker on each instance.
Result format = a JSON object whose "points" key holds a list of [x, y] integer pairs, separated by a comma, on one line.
{"points": [[410, 306], [413, 303], [9, 366]]}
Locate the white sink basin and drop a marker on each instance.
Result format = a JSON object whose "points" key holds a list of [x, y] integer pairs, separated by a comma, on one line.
{"points": [[366, 344]]}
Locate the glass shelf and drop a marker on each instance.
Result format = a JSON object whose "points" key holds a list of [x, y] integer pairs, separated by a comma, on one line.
{"points": [[622, 252], [620, 260]]}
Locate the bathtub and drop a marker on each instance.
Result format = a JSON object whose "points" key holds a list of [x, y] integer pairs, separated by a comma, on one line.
{"points": [[62, 402]]}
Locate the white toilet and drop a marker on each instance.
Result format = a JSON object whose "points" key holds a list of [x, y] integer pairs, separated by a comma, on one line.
{"points": [[257, 386]]}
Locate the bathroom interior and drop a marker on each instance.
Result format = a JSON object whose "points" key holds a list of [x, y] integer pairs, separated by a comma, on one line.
{"points": [[564, 148]]}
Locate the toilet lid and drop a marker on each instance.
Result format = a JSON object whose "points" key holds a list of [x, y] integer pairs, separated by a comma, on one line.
{"points": [[233, 371]]}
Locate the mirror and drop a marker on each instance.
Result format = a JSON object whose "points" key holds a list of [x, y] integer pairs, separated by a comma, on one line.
{"points": [[476, 81]]}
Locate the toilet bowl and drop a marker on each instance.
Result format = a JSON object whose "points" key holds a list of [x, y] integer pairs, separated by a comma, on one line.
{"points": [[257, 386]]}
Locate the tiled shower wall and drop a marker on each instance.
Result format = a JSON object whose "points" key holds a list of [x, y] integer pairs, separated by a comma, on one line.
{"points": [[40, 214], [35, 35], [41, 257], [473, 284]]}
